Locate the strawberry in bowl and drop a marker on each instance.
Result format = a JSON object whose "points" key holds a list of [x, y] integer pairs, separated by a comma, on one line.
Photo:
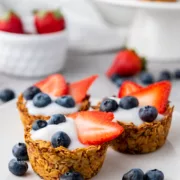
{"points": [[145, 114], [53, 95]]}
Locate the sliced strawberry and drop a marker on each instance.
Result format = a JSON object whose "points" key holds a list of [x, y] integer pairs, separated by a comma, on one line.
{"points": [[155, 95], [54, 85], [79, 89], [95, 128], [128, 87]]}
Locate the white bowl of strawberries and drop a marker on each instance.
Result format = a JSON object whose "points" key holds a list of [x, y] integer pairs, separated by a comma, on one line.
{"points": [[33, 54]]}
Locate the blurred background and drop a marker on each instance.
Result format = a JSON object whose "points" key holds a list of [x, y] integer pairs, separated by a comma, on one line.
{"points": [[94, 33]]}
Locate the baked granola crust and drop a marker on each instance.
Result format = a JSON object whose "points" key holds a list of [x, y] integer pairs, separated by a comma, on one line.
{"points": [[145, 138], [28, 119], [49, 163]]}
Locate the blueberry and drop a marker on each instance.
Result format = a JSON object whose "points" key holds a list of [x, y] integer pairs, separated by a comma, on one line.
{"points": [[165, 75], [108, 105], [146, 78], [18, 168], [71, 176], [30, 92], [119, 82], [60, 139], [114, 77], [128, 102], [39, 124], [134, 174], [41, 100], [20, 152], [66, 101], [154, 175], [148, 113], [57, 119], [177, 74], [7, 95]]}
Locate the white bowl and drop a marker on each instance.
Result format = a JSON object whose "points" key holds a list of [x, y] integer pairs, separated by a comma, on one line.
{"points": [[32, 55]]}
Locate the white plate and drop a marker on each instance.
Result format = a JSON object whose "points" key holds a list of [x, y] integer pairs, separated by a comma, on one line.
{"points": [[116, 164]]}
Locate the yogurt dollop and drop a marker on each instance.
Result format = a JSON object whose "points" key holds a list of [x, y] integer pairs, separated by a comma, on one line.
{"points": [[68, 127], [130, 115]]}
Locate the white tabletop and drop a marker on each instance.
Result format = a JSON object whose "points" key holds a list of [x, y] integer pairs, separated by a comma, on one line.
{"points": [[80, 66]]}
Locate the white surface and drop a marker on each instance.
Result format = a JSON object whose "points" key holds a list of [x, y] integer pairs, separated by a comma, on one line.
{"points": [[50, 109], [127, 115], [155, 29], [87, 29], [32, 55], [116, 164], [68, 127]]}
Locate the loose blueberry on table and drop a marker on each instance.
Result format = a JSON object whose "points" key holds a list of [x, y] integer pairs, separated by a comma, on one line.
{"points": [[165, 75], [177, 74], [134, 174], [71, 176], [20, 152], [108, 105], [7, 95], [146, 78], [57, 119], [154, 175], [41, 100], [18, 168]]}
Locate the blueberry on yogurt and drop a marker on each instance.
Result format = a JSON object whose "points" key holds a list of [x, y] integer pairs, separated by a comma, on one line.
{"points": [[41, 100], [30, 92], [108, 105], [66, 101], [128, 102], [39, 124], [60, 139], [57, 119]]}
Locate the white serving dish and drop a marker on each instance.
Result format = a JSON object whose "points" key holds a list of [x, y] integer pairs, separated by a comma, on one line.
{"points": [[155, 28], [32, 55]]}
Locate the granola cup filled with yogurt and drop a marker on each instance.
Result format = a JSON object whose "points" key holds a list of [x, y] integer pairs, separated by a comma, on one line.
{"points": [[62, 144], [53, 95], [144, 113]]}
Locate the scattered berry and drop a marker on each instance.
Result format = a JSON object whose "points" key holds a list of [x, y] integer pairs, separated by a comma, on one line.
{"points": [[148, 113], [39, 124], [165, 75], [155, 95], [95, 127], [41, 100], [108, 105], [54, 85], [119, 82], [177, 74], [57, 119], [66, 101], [134, 174], [71, 176], [146, 78], [7, 95], [127, 88], [10, 22], [49, 21], [60, 139], [30, 92], [154, 175], [78, 90], [114, 77], [18, 168], [20, 152], [126, 63], [128, 102]]}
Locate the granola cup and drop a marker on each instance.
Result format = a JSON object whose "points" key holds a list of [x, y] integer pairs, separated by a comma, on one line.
{"points": [[49, 163], [28, 119], [145, 138]]}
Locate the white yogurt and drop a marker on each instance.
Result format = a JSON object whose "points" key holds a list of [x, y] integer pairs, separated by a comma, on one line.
{"points": [[130, 115], [68, 127], [50, 109]]}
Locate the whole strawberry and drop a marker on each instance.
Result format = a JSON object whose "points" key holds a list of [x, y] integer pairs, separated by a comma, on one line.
{"points": [[10, 22], [49, 21], [126, 63]]}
